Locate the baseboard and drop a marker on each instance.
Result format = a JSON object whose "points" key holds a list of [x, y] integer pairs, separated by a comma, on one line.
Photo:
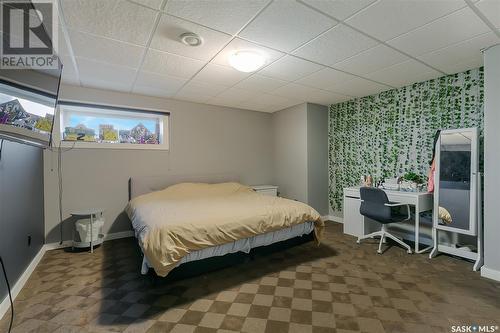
{"points": [[107, 237], [57, 245], [490, 273], [333, 218], [18, 286]]}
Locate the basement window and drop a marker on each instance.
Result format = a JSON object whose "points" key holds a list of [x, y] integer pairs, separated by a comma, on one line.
{"points": [[98, 126]]}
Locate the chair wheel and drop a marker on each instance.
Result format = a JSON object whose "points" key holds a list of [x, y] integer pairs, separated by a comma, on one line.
{"points": [[379, 252], [409, 252], [358, 241]]}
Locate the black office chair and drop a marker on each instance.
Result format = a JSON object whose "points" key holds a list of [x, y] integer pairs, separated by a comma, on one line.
{"points": [[376, 206]]}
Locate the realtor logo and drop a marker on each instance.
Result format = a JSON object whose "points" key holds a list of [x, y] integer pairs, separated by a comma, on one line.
{"points": [[29, 35]]}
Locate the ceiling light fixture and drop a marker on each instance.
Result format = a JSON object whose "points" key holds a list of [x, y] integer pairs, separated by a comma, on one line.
{"points": [[191, 39], [247, 61]]}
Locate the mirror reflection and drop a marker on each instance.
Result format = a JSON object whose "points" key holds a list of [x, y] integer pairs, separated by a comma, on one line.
{"points": [[455, 179]]}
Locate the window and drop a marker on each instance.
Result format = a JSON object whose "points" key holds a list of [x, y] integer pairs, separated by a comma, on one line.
{"points": [[94, 126]]}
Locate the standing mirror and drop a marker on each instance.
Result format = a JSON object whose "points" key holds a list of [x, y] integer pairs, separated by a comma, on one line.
{"points": [[456, 181]]}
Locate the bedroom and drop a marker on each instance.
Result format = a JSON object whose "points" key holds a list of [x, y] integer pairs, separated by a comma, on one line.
{"points": [[203, 165]]}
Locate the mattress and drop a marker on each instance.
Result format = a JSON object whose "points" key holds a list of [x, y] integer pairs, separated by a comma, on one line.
{"points": [[242, 245]]}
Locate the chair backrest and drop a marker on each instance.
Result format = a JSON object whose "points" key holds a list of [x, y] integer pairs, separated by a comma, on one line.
{"points": [[373, 206]]}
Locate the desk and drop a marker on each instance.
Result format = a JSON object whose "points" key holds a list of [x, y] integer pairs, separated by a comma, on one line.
{"points": [[354, 222]]}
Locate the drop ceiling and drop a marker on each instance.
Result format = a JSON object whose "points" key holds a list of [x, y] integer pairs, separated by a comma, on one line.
{"points": [[320, 51]]}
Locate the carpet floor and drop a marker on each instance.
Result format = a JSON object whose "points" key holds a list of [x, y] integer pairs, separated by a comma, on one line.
{"points": [[339, 286]]}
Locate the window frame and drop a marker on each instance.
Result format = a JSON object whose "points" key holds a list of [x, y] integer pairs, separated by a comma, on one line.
{"points": [[68, 106]]}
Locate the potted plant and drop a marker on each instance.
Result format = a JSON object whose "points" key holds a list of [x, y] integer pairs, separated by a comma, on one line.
{"points": [[410, 181]]}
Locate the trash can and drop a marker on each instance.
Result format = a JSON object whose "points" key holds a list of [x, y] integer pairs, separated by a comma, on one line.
{"points": [[84, 231]]}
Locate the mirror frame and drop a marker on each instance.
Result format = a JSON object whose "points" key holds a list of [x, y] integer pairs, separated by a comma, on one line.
{"points": [[472, 230]]}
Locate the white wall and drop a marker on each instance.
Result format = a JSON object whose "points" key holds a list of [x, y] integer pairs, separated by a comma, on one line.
{"points": [[317, 157], [204, 139], [491, 162], [301, 154], [290, 151]]}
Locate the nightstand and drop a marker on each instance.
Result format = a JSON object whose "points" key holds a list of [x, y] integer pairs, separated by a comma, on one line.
{"points": [[271, 190]]}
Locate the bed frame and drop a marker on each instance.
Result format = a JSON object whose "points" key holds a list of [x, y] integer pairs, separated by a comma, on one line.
{"points": [[146, 184]]}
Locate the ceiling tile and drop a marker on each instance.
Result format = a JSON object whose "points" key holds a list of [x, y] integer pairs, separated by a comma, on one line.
{"points": [[339, 43], [260, 83], [454, 28], [191, 98], [157, 85], [324, 78], [285, 25], [306, 94], [465, 65], [255, 106], [222, 102], [69, 74], [339, 9], [155, 4], [278, 101], [404, 74], [450, 59], [222, 15], [105, 49], [290, 68], [358, 87], [166, 38], [101, 75], [234, 95], [222, 75], [164, 63], [327, 98], [387, 19], [117, 19], [199, 91], [371, 60], [62, 46], [239, 44], [490, 9]]}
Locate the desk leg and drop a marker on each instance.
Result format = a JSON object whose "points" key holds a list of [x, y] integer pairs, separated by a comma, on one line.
{"points": [[417, 228], [91, 230], [417, 232]]}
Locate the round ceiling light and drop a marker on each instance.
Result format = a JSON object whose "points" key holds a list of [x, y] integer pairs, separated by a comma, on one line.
{"points": [[247, 61], [191, 39]]}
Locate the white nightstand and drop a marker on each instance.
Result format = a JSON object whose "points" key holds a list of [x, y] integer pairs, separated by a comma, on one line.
{"points": [[271, 190]]}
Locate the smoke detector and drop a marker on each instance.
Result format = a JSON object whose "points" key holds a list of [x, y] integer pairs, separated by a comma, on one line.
{"points": [[191, 39]]}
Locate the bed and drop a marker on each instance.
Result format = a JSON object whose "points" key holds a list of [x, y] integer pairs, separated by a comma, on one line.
{"points": [[181, 219]]}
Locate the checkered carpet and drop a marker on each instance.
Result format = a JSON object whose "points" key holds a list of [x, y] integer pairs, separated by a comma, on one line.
{"points": [[337, 287]]}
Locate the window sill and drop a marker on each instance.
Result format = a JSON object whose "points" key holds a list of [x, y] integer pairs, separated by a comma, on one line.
{"points": [[117, 146]]}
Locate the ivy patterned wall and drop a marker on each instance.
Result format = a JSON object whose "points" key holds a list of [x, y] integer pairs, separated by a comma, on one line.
{"points": [[392, 133]]}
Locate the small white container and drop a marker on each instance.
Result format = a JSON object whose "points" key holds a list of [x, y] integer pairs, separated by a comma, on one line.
{"points": [[84, 230]]}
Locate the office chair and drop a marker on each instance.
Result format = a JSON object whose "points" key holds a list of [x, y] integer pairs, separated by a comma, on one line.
{"points": [[376, 206]]}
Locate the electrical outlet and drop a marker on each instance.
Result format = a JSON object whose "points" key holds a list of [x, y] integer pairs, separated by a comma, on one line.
{"points": [[29, 240]]}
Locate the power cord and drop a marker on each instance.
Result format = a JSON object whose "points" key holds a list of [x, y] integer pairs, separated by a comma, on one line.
{"points": [[59, 150], [10, 295]]}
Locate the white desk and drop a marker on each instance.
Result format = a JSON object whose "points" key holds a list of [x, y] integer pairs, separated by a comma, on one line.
{"points": [[354, 222]]}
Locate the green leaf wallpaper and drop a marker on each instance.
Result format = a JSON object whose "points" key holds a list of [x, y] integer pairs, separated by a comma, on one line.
{"points": [[389, 134]]}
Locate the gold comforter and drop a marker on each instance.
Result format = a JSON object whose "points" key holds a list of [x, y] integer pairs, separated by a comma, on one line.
{"points": [[186, 217]]}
